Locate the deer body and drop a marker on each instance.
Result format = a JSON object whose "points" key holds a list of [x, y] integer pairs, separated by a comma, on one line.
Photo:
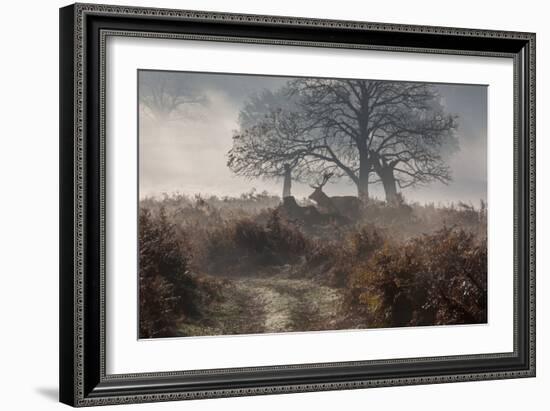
{"points": [[347, 206], [309, 215]]}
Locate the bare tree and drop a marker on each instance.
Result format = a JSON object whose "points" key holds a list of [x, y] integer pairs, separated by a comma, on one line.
{"points": [[411, 150], [272, 141], [164, 96], [349, 128], [395, 129], [287, 181]]}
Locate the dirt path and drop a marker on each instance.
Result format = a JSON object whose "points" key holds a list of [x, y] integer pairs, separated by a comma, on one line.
{"points": [[271, 304]]}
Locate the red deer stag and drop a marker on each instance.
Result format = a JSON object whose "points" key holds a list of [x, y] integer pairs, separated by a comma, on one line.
{"points": [[309, 215], [347, 206]]}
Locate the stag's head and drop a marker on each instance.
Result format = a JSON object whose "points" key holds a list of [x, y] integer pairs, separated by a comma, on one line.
{"points": [[318, 195]]}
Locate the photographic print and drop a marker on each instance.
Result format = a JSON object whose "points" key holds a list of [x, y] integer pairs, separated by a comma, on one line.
{"points": [[275, 204]]}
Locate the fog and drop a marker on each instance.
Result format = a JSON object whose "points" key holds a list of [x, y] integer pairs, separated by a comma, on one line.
{"points": [[186, 152]]}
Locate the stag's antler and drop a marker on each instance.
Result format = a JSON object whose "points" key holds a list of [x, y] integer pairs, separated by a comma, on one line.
{"points": [[320, 184]]}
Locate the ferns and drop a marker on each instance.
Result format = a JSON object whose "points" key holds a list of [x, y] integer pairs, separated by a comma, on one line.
{"points": [[247, 244], [397, 266], [168, 291], [434, 279]]}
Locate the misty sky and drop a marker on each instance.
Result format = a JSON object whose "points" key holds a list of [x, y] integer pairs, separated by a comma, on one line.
{"points": [[187, 152]]}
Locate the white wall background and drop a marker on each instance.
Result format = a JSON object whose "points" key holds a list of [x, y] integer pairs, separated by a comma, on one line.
{"points": [[29, 204]]}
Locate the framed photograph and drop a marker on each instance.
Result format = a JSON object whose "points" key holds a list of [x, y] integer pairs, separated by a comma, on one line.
{"points": [[261, 204]]}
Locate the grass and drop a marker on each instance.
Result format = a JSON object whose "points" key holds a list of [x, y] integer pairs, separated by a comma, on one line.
{"points": [[214, 265]]}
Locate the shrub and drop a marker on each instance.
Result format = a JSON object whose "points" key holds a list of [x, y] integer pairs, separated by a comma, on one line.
{"points": [[403, 220], [169, 292], [157, 308], [439, 278], [336, 260], [363, 242], [283, 237], [160, 260], [248, 242]]}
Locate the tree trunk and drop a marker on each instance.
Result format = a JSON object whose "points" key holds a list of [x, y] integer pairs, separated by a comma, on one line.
{"points": [[287, 183], [363, 183], [390, 186]]}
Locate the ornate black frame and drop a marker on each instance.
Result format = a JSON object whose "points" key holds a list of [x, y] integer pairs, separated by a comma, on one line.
{"points": [[83, 30]]}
